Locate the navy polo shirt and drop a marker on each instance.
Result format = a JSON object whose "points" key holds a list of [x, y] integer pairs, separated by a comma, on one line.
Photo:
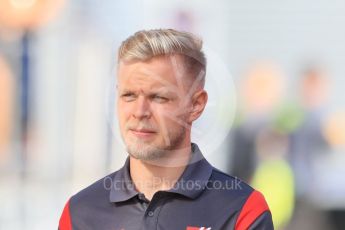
{"points": [[202, 198]]}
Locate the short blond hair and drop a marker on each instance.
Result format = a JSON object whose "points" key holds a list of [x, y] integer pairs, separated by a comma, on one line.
{"points": [[146, 44]]}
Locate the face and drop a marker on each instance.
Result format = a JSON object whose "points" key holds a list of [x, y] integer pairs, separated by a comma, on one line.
{"points": [[155, 106]]}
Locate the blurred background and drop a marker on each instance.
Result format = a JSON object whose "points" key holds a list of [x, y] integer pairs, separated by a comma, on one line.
{"points": [[287, 136]]}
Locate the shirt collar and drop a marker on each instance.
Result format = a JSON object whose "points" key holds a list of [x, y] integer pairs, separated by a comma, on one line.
{"points": [[191, 183], [122, 188]]}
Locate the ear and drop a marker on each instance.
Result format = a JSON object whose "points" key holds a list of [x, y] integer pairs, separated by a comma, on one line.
{"points": [[199, 101]]}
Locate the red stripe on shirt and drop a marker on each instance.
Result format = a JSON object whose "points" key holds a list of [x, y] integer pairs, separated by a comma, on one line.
{"points": [[65, 219], [251, 210]]}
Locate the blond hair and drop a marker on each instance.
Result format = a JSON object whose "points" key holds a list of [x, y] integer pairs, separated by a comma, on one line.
{"points": [[146, 44]]}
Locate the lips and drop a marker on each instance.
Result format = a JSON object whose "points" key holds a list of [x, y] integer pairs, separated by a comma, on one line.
{"points": [[142, 132]]}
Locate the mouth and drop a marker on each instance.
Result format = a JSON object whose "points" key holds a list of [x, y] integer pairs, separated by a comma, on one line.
{"points": [[142, 132]]}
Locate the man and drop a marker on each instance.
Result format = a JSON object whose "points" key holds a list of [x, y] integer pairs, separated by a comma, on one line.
{"points": [[165, 183]]}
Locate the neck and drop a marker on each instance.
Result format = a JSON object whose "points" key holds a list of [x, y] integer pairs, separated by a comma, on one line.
{"points": [[159, 174]]}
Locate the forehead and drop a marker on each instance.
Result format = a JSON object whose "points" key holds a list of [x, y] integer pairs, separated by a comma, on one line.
{"points": [[158, 71]]}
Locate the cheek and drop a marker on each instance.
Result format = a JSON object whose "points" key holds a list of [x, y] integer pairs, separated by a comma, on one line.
{"points": [[168, 117], [123, 114], [123, 109]]}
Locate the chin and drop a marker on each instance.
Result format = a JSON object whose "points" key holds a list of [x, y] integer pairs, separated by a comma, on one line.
{"points": [[144, 151]]}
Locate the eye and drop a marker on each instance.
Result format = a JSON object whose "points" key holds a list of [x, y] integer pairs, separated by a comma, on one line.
{"points": [[159, 99], [128, 96]]}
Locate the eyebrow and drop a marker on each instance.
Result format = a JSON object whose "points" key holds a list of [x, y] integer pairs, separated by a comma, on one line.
{"points": [[164, 92], [125, 91]]}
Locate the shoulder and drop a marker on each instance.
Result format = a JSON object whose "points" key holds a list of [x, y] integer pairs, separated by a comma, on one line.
{"points": [[82, 205], [234, 186], [85, 201], [249, 204], [228, 185], [97, 192], [94, 195]]}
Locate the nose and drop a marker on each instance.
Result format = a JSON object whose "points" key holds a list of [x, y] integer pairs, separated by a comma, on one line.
{"points": [[142, 108]]}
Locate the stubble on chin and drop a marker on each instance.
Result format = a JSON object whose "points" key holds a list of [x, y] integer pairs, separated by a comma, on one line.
{"points": [[149, 151], [144, 151]]}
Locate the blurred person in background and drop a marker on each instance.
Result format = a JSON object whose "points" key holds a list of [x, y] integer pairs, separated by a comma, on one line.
{"points": [[331, 170], [261, 90], [274, 176], [161, 77], [307, 144], [307, 140], [6, 110]]}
